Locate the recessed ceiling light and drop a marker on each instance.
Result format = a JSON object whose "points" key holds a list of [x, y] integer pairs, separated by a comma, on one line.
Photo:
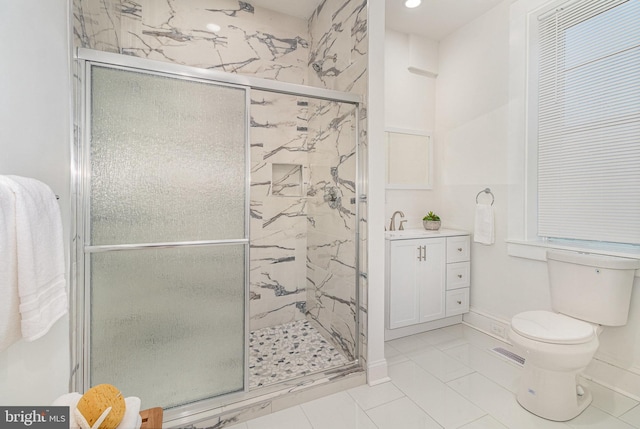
{"points": [[213, 27], [412, 3]]}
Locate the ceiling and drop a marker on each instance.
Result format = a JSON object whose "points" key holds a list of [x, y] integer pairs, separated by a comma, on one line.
{"points": [[434, 19]]}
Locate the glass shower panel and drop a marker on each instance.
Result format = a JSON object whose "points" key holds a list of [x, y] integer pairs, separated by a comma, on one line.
{"points": [[332, 294], [167, 159], [168, 324], [166, 167], [304, 220]]}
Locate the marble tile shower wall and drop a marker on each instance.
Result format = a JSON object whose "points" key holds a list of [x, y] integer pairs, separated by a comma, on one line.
{"points": [[96, 24], [251, 40], [278, 212], [303, 247], [338, 60], [331, 236]]}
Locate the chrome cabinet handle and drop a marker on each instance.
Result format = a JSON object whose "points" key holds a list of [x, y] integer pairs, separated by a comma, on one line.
{"points": [[459, 249], [459, 276], [459, 302], [422, 253]]}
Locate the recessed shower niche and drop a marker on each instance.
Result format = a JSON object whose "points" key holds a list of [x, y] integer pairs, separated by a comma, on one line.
{"points": [[286, 180]]}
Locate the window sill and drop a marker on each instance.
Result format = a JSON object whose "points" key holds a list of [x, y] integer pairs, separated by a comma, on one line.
{"points": [[537, 249]]}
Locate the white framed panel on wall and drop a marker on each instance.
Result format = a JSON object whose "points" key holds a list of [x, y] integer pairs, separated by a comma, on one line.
{"points": [[409, 160]]}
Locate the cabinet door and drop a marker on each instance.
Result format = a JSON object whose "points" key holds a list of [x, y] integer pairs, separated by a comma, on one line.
{"points": [[404, 294], [431, 279]]}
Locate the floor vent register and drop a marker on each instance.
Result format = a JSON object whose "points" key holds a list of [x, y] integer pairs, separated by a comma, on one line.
{"points": [[517, 359]]}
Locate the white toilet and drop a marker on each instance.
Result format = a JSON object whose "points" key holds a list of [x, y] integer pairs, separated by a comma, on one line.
{"points": [[586, 291]]}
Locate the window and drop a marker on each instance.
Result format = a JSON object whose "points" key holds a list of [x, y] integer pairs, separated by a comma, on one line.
{"points": [[588, 121]]}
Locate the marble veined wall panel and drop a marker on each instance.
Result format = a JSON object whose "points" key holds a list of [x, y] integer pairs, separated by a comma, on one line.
{"points": [[331, 287], [338, 49], [338, 60], [227, 35], [278, 221], [331, 255], [96, 24]]}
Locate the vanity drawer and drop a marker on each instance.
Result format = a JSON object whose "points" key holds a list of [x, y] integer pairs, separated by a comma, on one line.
{"points": [[458, 249], [457, 302], [458, 275]]}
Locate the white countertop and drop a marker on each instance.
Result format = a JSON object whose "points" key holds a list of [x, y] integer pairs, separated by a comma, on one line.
{"points": [[422, 233]]}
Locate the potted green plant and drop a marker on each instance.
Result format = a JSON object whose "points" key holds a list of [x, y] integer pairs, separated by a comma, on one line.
{"points": [[431, 221]]}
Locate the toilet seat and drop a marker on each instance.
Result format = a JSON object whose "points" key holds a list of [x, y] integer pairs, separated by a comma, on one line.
{"points": [[554, 328]]}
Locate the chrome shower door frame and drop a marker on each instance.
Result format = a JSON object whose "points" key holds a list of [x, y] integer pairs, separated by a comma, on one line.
{"points": [[83, 249]]}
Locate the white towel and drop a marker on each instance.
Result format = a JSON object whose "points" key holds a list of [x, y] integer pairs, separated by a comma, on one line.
{"points": [[69, 400], [484, 229], [9, 299], [131, 419], [39, 250]]}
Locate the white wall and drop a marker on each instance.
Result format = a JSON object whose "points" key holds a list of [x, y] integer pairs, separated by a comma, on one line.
{"points": [[409, 104], [479, 92], [35, 142], [472, 105], [376, 362]]}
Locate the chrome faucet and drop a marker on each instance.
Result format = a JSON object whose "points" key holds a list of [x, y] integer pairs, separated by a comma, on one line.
{"points": [[392, 225]]}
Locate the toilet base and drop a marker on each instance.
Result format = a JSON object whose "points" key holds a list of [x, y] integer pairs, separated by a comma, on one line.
{"points": [[552, 394]]}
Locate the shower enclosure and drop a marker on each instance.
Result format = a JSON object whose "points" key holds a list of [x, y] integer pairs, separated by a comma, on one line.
{"points": [[216, 231]]}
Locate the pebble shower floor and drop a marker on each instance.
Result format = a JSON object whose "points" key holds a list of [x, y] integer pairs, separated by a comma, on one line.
{"points": [[288, 351]]}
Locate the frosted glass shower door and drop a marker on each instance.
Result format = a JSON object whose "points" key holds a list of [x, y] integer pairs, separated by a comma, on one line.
{"points": [[165, 236]]}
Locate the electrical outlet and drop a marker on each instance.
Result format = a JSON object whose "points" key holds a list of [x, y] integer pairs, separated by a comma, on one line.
{"points": [[498, 330]]}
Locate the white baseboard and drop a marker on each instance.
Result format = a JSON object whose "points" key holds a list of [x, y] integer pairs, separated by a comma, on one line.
{"points": [[377, 372], [392, 334], [494, 326], [615, 378], [625, 381]]}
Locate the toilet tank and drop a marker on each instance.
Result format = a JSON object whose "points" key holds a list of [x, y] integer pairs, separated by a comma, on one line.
{"points": [[594, 288]]}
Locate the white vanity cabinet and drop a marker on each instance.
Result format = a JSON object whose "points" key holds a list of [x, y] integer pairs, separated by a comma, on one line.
{"points": [[416, 280], [427, 280]]}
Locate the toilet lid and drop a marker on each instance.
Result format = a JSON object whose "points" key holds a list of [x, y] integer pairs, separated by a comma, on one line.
{"points": [[549, 327]]}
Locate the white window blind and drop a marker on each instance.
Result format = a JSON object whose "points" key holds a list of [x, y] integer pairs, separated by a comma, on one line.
{"points": [[589, 121]]}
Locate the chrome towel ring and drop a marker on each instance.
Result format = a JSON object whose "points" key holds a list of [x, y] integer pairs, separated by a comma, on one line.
{"points": [[486, 191]]}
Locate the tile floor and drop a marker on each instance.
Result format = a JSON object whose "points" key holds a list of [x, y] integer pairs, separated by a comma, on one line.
{"points": [[288, 351], [447, 378]]}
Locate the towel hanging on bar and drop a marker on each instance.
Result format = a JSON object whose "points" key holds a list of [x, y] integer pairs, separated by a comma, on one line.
{"points": [[32, 268], [486, 191]]}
